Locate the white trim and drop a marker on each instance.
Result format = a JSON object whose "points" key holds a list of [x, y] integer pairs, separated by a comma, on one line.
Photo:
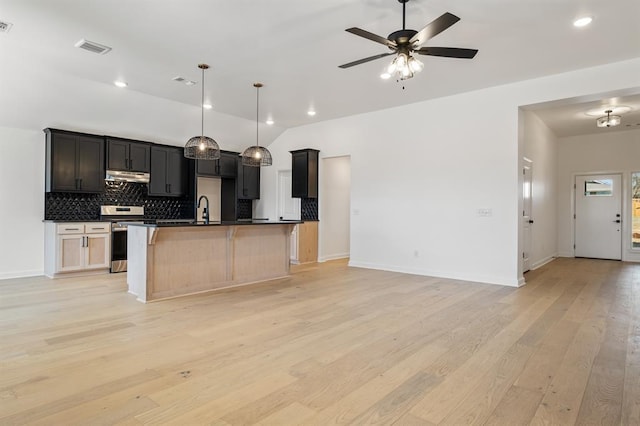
{"points": [[333, 257], [543, 262], [21, 274], [504, 281]]}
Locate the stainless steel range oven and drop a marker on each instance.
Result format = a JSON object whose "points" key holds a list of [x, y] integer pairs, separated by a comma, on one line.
{"points": [[120, 217]]}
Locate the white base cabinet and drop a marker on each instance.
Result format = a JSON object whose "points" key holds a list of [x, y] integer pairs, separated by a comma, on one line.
{"points": [[77, 247]]}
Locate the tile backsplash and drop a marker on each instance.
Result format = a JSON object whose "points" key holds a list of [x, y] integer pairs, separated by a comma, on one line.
{"points": [[74, 206]]}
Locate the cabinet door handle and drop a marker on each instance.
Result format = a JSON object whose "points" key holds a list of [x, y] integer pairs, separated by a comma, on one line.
{"points": [[245, 192], [80, 180], [130, 163], [169, 191], [166, 188], [77, 183]]}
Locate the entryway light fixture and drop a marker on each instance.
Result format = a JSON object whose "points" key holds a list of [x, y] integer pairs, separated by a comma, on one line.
{"points": [[202, 147], [256, 155], [608, 120]]}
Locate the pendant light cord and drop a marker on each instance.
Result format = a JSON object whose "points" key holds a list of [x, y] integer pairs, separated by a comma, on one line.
{"points": [[257, 107], [202, 107]]}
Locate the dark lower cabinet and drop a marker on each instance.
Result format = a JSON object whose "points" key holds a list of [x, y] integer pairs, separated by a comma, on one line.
{"points": [[74, 162], [225, 166], [127, 155], [248, 182], [168, 173], [304, 173]]}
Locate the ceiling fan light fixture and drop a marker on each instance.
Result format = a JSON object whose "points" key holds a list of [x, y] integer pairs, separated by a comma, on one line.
{"points": [[609, 120], [415, 65], [202, 147]]}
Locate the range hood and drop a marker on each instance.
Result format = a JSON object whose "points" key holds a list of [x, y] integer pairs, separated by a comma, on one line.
{"points": [[127, 176]]}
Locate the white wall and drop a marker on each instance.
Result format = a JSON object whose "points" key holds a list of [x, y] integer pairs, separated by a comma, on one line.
{"points": [[605, 152], [21, 203], [420, 172], [541, 147], [334, 199]]}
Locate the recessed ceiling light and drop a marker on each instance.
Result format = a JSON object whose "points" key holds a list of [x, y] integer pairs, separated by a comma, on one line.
{"points": [[189, 82], [269, 122], [120, 83], [385, 76], [602, 110], [207, 106], [582, 22], [311, 113]]}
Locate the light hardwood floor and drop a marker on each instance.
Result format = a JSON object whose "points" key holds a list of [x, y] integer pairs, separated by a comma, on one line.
{"points": [[331, 344]]}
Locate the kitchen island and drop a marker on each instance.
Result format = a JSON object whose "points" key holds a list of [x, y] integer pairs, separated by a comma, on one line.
{"points": [[168, 260]]}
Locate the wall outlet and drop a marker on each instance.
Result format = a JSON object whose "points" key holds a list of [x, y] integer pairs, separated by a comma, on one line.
{"points": [[484, 212]]}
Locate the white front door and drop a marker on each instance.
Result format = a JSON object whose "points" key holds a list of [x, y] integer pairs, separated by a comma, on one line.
{"points": [[598, 220], [527, 221]]}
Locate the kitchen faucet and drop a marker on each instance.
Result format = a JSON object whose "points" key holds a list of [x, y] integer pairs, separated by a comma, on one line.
{"points": [[205, 211]]}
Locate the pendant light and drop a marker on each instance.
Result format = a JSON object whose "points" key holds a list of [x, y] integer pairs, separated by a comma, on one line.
{"points": [[202, 147], [256, 155]]}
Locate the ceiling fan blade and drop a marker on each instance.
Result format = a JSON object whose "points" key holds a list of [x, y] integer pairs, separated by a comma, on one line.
{"points": [[371, 36], [434, 28], [362, 61], [448, 52]]}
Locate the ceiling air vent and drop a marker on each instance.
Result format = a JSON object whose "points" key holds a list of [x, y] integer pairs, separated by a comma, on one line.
{"points": [[5, 27], [184, 80], [91, 46]]}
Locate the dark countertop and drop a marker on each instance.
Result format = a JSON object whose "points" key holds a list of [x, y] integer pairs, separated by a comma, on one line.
{"points": [[74, 221], [219, 223]]}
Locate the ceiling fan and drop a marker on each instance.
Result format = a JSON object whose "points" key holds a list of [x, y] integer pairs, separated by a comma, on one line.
{"points": [[404, 42]]}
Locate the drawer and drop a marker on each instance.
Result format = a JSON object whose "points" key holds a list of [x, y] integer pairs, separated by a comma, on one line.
{"points": [[84, 228], [70, 228], [97, 228]]}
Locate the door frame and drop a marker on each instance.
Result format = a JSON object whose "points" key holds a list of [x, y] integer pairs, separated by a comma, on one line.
{"points": [[527, 243], [625, 204]]}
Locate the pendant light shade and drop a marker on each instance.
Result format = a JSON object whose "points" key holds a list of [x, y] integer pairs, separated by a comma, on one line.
{"points": [[202, 147], [257, 155]]}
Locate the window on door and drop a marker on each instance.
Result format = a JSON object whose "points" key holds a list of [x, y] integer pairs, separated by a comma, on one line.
{"points": [[635, 205]]}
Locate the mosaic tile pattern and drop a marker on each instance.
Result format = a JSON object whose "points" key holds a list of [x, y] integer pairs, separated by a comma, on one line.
{"points": [[73, 206], [244, 209], [309, 207]]}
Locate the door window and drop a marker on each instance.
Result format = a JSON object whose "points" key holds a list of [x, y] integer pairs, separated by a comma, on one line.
{"points": [[635, 205]]}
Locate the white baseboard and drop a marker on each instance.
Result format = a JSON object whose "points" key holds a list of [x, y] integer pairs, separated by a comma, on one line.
{"points": [[20, 274], [566, 254], [543, 262], [504, 281], [333, 257]]}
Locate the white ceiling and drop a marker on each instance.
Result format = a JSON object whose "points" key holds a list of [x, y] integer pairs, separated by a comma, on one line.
{"points": [[294, 47]]}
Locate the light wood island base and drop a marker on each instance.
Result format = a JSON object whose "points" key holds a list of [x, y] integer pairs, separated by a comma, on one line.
{"points": [[165, 262]]}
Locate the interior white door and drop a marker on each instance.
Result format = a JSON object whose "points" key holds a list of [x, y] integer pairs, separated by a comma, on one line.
{"points": [[288, 207], [527, 221], [598, 216]]}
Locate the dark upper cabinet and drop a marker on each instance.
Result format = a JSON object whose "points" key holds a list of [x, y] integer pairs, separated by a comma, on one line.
{"points": [[225, 166], [168, 173], [248, 182], [128, 155], [74, 162], [304, 173]]}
